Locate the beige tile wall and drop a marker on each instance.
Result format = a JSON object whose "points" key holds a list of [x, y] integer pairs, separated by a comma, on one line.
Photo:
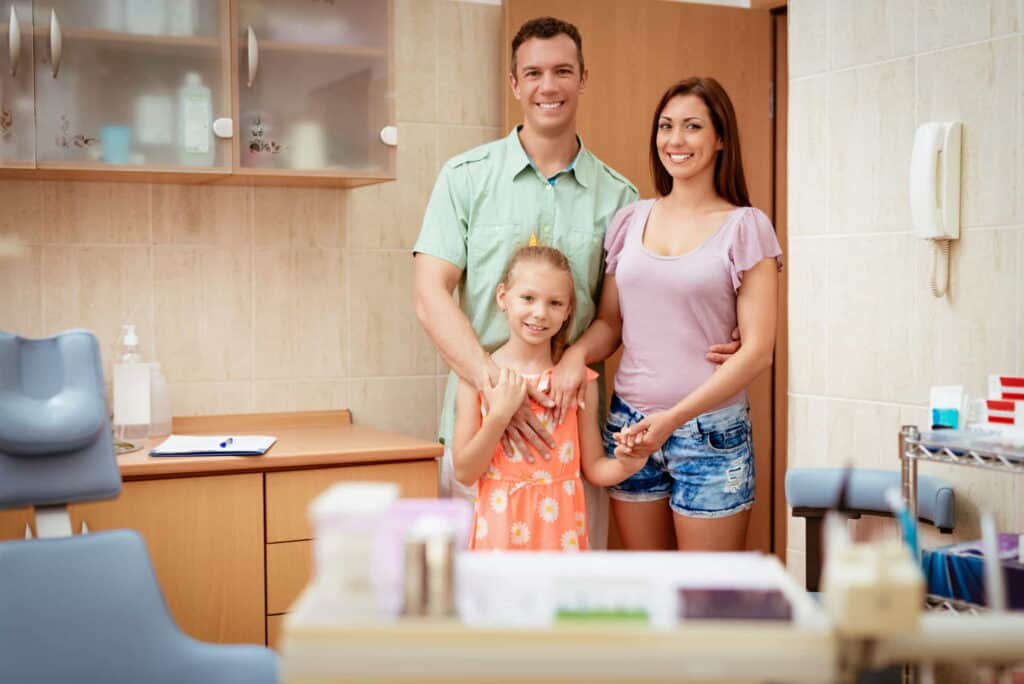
{"points": [[867, 338], [270, 299]]}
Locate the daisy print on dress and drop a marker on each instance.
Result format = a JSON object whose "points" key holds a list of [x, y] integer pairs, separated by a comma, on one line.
{"points": [[549, 509], [547, 422], [481, 528], [581, 523], [520, 534], [492, 473], [567, 452], [514, 456], [570, 541], [569, 487], [542, 476], [499, 500]]}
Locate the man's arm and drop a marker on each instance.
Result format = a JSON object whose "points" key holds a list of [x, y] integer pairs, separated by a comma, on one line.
{"points": [[434, 283]]}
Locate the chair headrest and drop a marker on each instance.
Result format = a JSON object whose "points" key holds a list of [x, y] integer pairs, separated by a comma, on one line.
{"points": [[55, 440]]}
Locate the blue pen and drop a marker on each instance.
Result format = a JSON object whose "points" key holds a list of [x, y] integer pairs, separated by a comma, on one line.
{"points": [[906, 521], [226, 442]]}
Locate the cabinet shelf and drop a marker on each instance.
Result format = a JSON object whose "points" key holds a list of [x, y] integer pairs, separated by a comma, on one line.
{"points": [[143, 39], [322, 49]]}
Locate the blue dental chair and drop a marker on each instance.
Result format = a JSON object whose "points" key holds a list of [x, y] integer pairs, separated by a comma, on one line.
{"points": [[83, 608]]}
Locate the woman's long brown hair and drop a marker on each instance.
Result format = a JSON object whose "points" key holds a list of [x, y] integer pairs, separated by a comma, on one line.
{"points": [[554, 258], [730, 183]]}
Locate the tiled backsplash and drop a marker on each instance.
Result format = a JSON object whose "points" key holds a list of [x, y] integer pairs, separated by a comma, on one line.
{"points": [[867, 339], [270, 299]]}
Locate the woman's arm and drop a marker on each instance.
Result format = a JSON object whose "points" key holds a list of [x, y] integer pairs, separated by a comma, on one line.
{"points": [[756, 312], [597, 468]]}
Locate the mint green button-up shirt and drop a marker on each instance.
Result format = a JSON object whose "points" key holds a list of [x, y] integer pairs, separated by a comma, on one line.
{"points": [[485, 205]]}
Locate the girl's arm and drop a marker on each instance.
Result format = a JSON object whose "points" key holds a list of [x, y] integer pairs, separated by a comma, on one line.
{"points": [[475, 438], [598, 469], [755, 310]]}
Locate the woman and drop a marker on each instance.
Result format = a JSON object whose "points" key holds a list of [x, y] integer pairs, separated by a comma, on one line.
{"points": [[682, 271]]}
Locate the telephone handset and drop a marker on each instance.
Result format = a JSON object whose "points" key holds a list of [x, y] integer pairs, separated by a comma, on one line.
{"points": [[935, 188]]}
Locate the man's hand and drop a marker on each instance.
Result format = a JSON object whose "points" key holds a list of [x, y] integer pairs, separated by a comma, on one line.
{"points": [[568, 384], [720, 353]]}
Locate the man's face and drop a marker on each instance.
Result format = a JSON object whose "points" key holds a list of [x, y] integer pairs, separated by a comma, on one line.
{"points": [[548, 82]]}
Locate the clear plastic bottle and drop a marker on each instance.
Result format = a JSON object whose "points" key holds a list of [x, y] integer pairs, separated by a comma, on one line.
{"points": [[131, 389], [160, 403], [195, 122]]}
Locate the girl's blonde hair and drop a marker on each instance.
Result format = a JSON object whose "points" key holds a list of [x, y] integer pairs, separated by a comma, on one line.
{"points": [[557, 260]]}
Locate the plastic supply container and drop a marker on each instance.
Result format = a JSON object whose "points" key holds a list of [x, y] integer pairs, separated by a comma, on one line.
{"points": [[347, 519], [195, 122]]}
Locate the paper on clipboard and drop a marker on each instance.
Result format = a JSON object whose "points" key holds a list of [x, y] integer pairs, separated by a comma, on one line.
{"points": [[214, 445]]}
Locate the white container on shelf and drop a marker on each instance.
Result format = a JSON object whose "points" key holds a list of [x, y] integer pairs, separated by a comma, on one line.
{"points": [[195, 118]]}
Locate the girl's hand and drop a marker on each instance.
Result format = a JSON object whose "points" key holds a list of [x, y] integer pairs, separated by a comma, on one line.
{"points": [[506, 396], [568, 384], [630, 461], [644, 438]]}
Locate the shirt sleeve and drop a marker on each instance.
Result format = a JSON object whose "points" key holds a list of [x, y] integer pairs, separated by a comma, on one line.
{"points": [[753, 242], [615, 237], [445, 225]]}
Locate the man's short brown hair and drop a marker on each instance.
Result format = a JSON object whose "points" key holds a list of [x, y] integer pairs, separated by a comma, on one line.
{"points": [[547, 27]]}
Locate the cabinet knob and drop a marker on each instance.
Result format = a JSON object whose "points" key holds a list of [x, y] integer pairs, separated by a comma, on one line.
{"points": [[389, 135], [224, 127], [56, 43]]}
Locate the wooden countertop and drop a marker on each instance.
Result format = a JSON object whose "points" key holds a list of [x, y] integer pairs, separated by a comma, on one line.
{"points": [[304, 440]]}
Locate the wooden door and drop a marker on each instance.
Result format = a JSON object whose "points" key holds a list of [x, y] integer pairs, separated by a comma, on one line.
{"points": [[205, 540], [634, 50]]}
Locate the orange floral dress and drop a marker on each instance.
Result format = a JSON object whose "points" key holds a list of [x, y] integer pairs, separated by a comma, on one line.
{"points": [[535, 506]]}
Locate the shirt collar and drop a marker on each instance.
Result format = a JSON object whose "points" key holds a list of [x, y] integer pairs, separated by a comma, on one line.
{"points": [[582, 167]]}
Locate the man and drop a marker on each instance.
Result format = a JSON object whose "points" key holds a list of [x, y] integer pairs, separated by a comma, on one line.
{"points": [[541, 180]]}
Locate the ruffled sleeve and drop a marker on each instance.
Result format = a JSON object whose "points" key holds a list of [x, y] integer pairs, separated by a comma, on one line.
{"points": [[753, 241], [615, 236]]}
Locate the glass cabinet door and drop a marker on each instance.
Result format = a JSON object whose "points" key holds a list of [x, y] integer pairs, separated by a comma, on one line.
{"points": [[17, 115], [132, 83], [314, 85]]}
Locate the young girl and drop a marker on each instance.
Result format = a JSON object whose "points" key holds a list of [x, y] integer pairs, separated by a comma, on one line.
{"points": [[539, 505], [682, 271]]}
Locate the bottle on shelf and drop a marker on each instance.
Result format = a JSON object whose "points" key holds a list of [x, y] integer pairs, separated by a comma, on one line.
{"points": [[131, 389], [195, 117]]}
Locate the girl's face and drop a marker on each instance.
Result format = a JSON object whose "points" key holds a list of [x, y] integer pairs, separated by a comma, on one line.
{"points": [[537, 300], [686, 140]]}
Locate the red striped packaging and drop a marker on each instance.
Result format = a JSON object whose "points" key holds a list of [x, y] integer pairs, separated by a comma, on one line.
{"points": [[1006, 388], [1004, 412]]}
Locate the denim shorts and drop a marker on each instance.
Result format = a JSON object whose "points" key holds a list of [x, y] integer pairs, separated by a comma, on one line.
{"points": [[705, 468]]}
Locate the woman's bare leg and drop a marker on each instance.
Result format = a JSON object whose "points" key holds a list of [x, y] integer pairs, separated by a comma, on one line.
{"points": [[645, 525], [711, 534]]}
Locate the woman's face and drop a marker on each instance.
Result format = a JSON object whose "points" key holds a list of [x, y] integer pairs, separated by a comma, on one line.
{"points": [[687, 141]]}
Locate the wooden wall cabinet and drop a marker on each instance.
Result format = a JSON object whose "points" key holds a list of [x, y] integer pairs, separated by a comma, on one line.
{"points": [[132, 90]]}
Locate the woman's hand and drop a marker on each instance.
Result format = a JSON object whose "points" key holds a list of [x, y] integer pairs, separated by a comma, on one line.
{"points": [[506, 396], [568, 384], [642, 439]]}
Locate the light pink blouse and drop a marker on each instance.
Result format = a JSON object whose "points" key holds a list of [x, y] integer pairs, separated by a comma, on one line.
{"points": [[675, 307]]}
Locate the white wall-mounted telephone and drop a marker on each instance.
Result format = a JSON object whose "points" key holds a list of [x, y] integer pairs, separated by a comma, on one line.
{"points": [[935, 189]]}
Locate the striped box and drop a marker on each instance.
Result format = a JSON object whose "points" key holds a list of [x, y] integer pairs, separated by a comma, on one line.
{"points": [[1005, 388], [1005, 412]]}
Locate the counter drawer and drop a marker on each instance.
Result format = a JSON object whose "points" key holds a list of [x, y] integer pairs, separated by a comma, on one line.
{"points": [[289, 569], [289, 493]]}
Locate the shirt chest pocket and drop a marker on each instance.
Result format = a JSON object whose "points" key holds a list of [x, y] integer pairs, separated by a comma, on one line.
{"points": [[585, 249], [490, 246]]}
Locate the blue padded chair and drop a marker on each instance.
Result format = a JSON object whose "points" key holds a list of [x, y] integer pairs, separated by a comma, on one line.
{"points": [[811, 492], [85, 608]]}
